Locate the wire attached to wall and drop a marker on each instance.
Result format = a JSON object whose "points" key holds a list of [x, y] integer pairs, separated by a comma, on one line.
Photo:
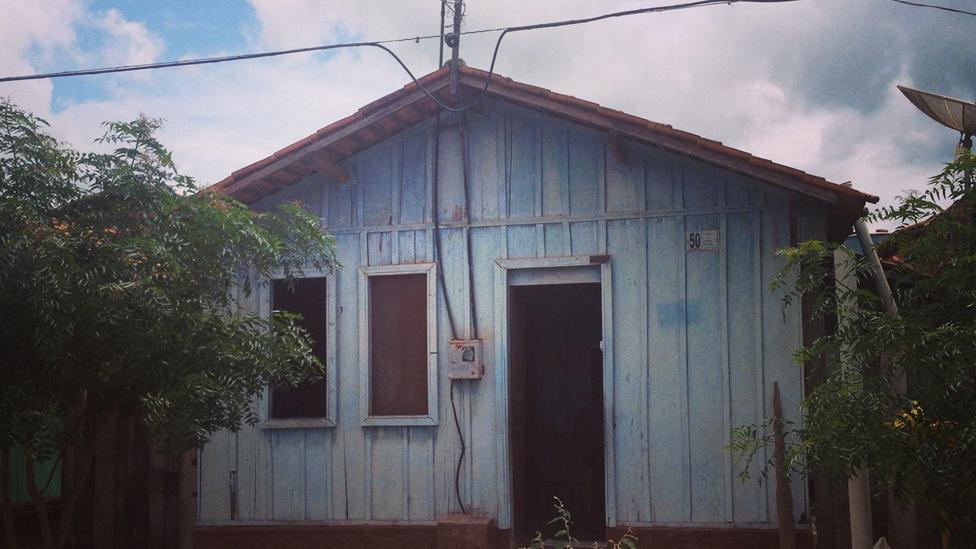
{"points": [[435, 215]]}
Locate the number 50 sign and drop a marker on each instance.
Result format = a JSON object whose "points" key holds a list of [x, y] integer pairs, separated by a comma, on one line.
{"points": [[702, 241]]}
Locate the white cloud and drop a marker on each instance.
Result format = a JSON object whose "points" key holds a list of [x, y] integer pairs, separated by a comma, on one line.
{"points": [[128, 42], [24, 27], [796, 83]]}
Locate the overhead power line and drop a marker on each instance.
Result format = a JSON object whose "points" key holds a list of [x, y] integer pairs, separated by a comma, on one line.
{"points": [[211, 60], [935, 7], [376, 43], [568, 22], [381, 45]]}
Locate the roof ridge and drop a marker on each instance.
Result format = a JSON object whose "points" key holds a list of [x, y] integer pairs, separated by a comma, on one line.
{"points": [[580, 110]]}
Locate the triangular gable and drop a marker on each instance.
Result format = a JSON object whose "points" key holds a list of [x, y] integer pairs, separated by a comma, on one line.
{"points": [[324, 150]]}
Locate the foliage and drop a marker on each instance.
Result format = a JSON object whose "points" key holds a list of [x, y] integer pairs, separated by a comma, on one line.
{"points": [[117, 287], [749, 440], [899, 396], [564, 538]]}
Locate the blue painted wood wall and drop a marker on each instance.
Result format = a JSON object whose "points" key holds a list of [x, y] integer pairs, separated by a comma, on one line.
{"points": [[699, 338]]}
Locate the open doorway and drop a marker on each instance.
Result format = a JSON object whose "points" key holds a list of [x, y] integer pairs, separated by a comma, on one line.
{"points": [[556, 408]]}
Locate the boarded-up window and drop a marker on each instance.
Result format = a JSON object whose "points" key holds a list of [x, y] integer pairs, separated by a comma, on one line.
{"points": [[398, 345], [306, 297]]}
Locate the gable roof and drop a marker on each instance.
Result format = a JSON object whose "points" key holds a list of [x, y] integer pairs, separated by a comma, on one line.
{"points": [[326, 148]]}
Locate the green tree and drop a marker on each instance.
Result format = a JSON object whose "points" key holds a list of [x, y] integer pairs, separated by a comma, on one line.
{"points": [[899, 397], [116, 284]]}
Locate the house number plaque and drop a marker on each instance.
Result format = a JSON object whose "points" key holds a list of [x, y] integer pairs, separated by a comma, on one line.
{"points": [[702, 241]]}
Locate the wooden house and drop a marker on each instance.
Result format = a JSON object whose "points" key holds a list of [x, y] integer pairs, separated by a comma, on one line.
{"points": [[615, 274]]}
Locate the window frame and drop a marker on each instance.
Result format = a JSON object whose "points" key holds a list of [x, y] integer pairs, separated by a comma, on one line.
{"points": [[365, 363], [331, 395]]}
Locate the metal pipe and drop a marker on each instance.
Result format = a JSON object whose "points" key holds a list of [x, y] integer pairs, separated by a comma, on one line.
{"points": [[877, 272], [458, 12], [858, 485]]}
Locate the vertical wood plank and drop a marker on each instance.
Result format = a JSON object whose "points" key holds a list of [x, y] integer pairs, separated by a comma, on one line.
{"points": [[413, 179], [781, 336], [585, 173], [380, 248], [342, 204], [627, 245], [526, 169], [659, 181], [555, 178], [318, 478], [726, 376], [215, 466], [667, 371], [248, 436], [625, 178], [705, 379], [447, 447], [387, 485], [584, 237], [263, 478], [744, 357], [375, 173], [485, 151], [450, 199], [420, 480], [522, 241], [288, 474], [501, 374], [487, 245], [702, 186], [348, 471], [555, 243]]}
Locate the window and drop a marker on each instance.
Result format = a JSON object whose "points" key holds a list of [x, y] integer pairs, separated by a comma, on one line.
{"points": [[311, 404], [398, 348]]}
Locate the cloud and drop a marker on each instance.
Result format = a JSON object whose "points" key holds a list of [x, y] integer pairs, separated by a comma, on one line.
{"points": [[808, 84], [30, 33], [127, 42]]}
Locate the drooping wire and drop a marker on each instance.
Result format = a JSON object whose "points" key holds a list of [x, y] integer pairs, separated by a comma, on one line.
{"points": [[934, 7], [507, 30], [473, 309], [222, 59], [435, 215], [457, 470], [380, 44]]}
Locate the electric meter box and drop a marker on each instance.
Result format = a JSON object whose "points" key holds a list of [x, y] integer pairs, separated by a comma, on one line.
{"points": [[464, 359]]}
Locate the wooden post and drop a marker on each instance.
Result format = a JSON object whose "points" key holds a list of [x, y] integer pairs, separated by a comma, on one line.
{"points": [[784, 493]]}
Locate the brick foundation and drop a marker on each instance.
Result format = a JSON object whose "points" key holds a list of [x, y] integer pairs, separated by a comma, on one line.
{"points": [[461, 532], [664, 537]]}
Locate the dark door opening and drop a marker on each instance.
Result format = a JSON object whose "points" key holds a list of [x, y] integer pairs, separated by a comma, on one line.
{"points": [[556, 409]]}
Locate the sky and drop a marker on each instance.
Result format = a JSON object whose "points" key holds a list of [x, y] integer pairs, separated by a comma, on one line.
{"points": [[810, 84]]}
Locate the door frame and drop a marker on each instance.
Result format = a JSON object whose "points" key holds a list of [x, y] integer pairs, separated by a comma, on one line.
{"points": [[504, 268]]}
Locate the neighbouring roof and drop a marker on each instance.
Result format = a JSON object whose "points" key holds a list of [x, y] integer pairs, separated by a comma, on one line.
{"points": [[326, 148]]}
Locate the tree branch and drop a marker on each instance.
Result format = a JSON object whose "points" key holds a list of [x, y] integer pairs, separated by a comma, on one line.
{"points": [[9, 528], [38, 499], [82, 468]]}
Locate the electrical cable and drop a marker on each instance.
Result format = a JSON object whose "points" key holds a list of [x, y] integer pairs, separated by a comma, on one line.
{"points": [[222, 59], [934, 7], [568, 22], [457, 470], [435, 215], [380, 44], [438, 257], [473, 310]]}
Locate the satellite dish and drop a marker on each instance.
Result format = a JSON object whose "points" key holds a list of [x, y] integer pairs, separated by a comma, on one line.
{"points": [[951, 113]]}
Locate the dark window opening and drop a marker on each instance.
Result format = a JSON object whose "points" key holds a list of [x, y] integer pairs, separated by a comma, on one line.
{"points": [[306, 297], [398, 345]]}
